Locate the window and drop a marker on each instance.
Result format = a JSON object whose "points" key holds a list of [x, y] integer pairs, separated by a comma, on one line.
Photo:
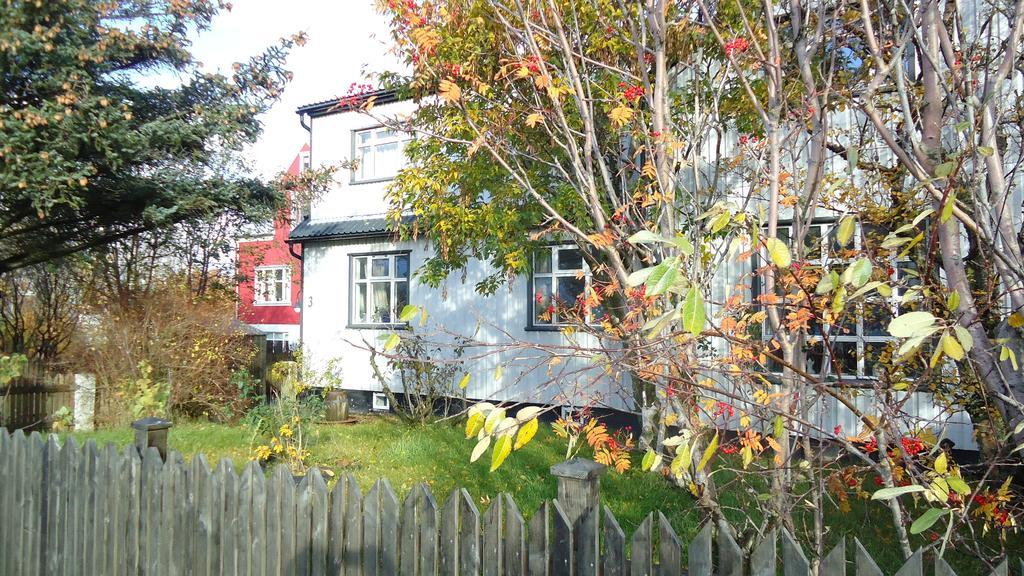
{"points": [[378, 152], [277, 343], [380, 403], [380, 288], [860, 336], [559, 286], [273, 286]]}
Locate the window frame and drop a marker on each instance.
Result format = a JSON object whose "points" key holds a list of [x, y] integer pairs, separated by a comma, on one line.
{"points": [[286, 280], [401, 138], [358, 323], [858, 336], [552, 277]]}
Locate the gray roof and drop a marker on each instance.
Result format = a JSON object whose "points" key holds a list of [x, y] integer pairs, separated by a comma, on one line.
{"points": [[354, 228]]}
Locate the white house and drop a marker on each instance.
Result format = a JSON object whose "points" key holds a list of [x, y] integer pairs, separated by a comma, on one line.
{"points": [[357, 277]]}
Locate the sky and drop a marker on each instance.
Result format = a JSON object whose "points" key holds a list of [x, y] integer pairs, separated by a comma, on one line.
{"points": [[346, 38]]}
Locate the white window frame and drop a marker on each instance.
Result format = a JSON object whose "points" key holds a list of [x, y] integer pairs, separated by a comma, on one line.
{"points": [[376, 140], [551, 278], [858, 334], [261, 296], [366, 320], [380, 402]]}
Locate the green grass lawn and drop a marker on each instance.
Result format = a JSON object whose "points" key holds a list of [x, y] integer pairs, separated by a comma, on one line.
{"points": [[438, 454]]}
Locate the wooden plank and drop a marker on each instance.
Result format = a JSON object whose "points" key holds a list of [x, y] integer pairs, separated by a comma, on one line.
{"points": [[793, 560], [914, 566], [170, 562], [409, 534], [288, 523], [469, 535], [336, 529], [258, 544], [699, 552], [491, 557], [388, 529], [942, 568], [228, 506], [303, 526], [449, 540], [202, 514], [6, 468], [98, 529], [835, 561], [614, 558], [730, 556], [85, 542], [428, 511], [133, 522], [117, 498], [515, 539], [53, 479], [33, 503], [865, 563], [1002, 569], [587, 540], [763, 560], [371, 531], [670, 550], [641, 555], [274, 528], [353, 529], [562, 552], [244, 522], [15, 511], [539, 545], [318, 552], [152, 500]]}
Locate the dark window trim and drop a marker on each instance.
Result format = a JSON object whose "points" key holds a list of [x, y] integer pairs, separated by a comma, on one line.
{"points": [[350, 324], [531, 324]]}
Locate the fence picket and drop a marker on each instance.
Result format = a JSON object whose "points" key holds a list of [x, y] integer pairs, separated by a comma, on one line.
{"points": [[97, 517], [614, 558], [202, 516], [730, 556], [388, 528], [33, 504], [587, 539], [150, 508], [491, 558], [914, 566], [244, 504], [17, 511], [670, 551], [539, 542], [133, 465], [409, 534], [515, 539], [449, 558], [469, 535], [258, 544], [303, 527], [336, 529], [53, 479], [318, 530], [942, 568], [227, 505], [865, 564], [371, 531], [763, 560], [793, 559], [700, 552], [1002, 569], [6, 523], [353, 529], [835, 561]]}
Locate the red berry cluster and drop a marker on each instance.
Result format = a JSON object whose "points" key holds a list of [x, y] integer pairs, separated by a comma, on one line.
{"points": [[353, 95], [912, 446], [631, 93], [736, 45], [721, 409]]}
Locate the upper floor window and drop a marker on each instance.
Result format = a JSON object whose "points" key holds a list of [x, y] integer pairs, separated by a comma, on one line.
{"points": [[273, 286], [378, 152], [858, 339], [379, 288], [560, 282]]}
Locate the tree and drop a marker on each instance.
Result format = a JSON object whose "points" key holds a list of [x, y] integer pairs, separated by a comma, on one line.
{"points": [[91, 152], [678, 144]]}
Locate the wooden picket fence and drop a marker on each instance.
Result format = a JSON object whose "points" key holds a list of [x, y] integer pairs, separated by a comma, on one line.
{"points": [[29, 400], [73, 510]]}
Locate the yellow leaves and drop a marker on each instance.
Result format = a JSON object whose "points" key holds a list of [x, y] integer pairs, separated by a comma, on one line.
{"points": [[620, 115], [465, 381], [941, 464], [502, 448], [779, 252], [1016, 320], [425, 38], [649, 171], [534, 119], [526, 433], [602, 239], [555, 92], [450, 91], [709, 452], [951, 347]]}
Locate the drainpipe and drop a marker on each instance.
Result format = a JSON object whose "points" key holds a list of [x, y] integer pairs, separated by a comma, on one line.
{"points": [[309, 129], [291, 246]]}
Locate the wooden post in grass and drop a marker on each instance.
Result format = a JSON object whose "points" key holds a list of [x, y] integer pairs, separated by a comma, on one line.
{"points": [[152, 431], [579, 486]]}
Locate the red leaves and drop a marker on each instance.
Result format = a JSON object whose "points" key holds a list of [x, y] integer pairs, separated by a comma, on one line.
{"points": [[737, 45]]}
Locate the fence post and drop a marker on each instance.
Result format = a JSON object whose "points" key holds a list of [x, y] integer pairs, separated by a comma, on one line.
{"points": [[579, 486], [151, 431]]}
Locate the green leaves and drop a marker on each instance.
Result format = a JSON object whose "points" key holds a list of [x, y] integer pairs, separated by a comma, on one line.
{"points": [[650, 461], [408, 312], [693, 314], [391, 342], [926, 520], [778, 252], [912, 324]]}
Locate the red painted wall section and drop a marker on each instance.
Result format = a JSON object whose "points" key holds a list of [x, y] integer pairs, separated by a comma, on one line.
{"points": [[272, 252]]}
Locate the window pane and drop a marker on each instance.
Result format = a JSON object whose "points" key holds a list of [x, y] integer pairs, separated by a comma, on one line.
{"points": [[387, 160], [385, 133], [402, 266], [381, 302], [364, 136], [812, 243], [279, 292], [570, 259], [845, 358], [872, 353], [908, 274], [365, 163], [401, 296], [542, 309], [876, 318], [815, 356], [361, 268], [379, 268], [569, 293], [360, 303], [542, 262]]}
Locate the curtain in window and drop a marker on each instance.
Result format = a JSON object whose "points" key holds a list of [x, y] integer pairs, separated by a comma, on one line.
{"points": [[382, 302]]}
